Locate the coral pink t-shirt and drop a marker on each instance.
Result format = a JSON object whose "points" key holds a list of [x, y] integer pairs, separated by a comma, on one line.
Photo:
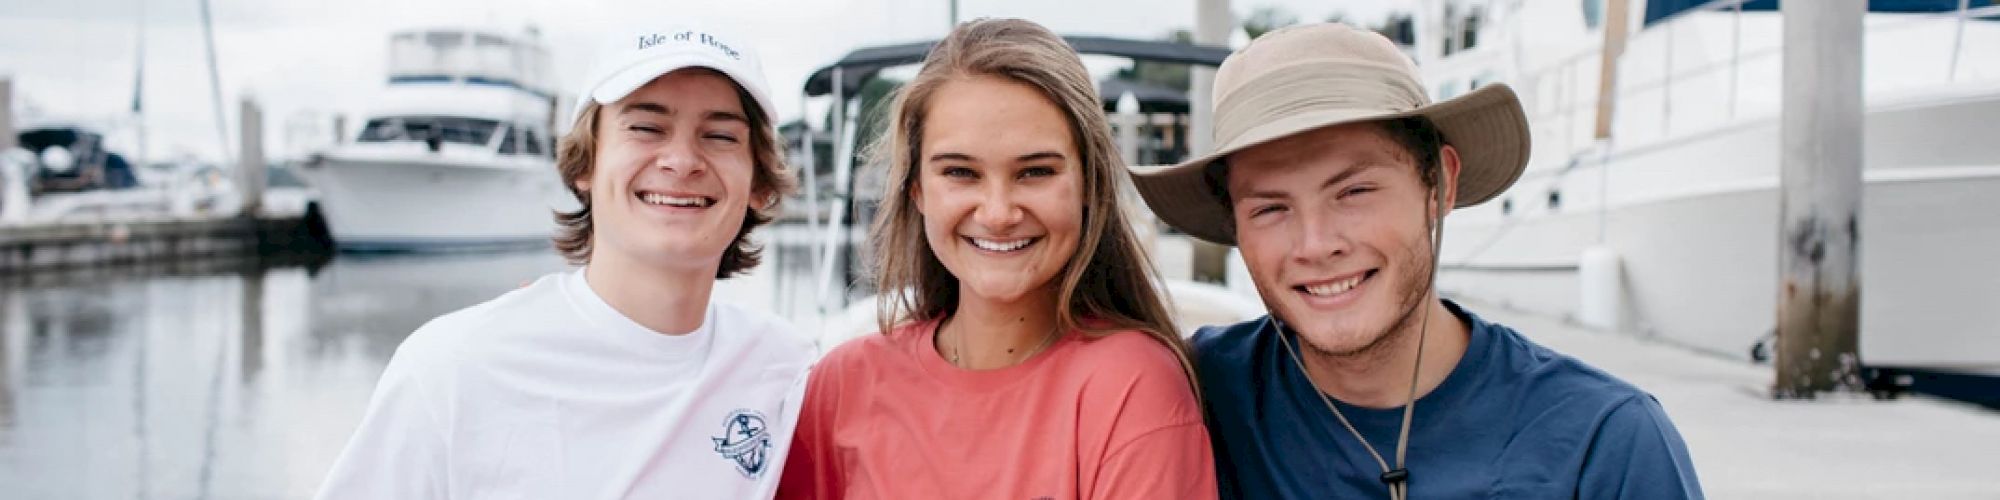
{"points": [[1109, 417]]}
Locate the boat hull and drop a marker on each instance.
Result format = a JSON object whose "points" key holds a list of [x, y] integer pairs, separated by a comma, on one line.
{"points": [[409, 205], [1695, 224]]}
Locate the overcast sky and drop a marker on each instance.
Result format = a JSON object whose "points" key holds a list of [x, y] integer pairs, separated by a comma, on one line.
{"points": [[305, 60]]}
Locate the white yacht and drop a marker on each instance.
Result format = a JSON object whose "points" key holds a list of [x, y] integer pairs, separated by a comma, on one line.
{"points": [[457, 152], [1683, 193]]}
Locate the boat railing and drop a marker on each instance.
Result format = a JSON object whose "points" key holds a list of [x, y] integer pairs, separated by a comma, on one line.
{"points": [[1716, 65]]}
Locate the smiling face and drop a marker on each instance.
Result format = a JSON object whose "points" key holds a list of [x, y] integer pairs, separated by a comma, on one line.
{"points": [[672, 178], [1332, 224], [999, 186]]}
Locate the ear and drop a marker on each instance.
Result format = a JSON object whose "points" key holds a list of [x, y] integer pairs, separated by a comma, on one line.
{"points": [[582, 185], [761, 199], [916, 192], [1449, 167]]}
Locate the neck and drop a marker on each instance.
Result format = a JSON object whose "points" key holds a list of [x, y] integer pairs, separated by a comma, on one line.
{"points": [[668, 301], [992, 334], [1380, 376]]}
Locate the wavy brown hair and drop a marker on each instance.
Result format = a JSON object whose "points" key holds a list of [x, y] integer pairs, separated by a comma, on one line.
{"points": [[1108, 284], [770, 179]]}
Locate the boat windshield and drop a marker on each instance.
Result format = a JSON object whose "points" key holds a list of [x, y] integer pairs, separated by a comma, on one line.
{"points": [[524, 140], [451, 129]]}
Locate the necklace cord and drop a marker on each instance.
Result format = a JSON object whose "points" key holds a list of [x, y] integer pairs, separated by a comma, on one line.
{"points": [[1397, 479]]}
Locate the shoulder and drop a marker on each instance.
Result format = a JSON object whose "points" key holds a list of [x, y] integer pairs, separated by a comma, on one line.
{"points": [[1226, 341], [429, 362], [1549, 384], [1132, 366], [448, 337], [1130, 352], [1129, 386], [1228, 348], [776, 338], [871, 347], [1554, 374], [1637, 448], [1637, 412], [866, 356]]}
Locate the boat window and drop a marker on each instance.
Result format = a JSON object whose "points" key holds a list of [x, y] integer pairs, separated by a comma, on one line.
{"points": [[444, 39], [1593, 14], [1470, 38], [420, 128], [521, 140], [1555, 199], [1462, 30], [508, 144], [533, 144]]}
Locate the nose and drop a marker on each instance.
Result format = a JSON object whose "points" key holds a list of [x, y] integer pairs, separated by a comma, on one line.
{"points": [[997, 208], [681, 155], [1321, 236]]}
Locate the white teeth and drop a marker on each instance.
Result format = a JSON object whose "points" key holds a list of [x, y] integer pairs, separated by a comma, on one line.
{"points": [[1001, 246], [1333, 288], [674, 201]]}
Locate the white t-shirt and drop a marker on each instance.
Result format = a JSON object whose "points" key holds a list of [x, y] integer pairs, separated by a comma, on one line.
{"points": [[547, 392]]}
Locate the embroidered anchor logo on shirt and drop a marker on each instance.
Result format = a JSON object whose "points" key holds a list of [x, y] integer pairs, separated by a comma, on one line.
{"points": [[745, 441]]}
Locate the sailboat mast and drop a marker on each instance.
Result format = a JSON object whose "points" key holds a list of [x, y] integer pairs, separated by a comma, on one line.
{"points": [[215, 85], [139, 85]]}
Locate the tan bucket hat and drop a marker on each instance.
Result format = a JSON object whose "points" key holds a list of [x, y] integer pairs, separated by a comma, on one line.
{"points": [[1307, 77]]}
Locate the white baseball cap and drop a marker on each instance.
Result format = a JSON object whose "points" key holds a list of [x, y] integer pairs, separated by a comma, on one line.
{"points": [[636, 56]]}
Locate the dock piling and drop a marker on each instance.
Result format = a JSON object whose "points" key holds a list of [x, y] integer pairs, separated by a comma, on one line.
{"points": [[1820, 131]]}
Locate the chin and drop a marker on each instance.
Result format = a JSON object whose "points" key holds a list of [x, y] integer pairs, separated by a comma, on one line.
{"points": [[681, 253], [1338, 334], [1341, 341], [997, 293]]}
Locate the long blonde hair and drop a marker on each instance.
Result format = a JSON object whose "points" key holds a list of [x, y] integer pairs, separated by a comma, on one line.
{"points": [[1109, 279]]}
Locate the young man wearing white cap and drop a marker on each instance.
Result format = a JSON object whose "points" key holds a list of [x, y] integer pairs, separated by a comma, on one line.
{"points": [[622, 379], [1333, 174]]}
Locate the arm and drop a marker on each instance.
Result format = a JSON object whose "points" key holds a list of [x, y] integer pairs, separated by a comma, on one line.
{"points": [[398, 451], [1637, 454], [1158, 447], [1225, 470]]}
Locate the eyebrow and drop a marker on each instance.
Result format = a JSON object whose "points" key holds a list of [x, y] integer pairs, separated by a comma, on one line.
{"points": [[1039, 155], [649, 107], [1330, 181], [726, 116], [1035, 156], [645, 107]]}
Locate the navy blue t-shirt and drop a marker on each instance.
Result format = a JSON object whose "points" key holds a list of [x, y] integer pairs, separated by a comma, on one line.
{"points": [[1512, 420]]}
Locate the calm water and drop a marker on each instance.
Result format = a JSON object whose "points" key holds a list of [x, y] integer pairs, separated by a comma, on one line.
{"points": [[245, 382]]}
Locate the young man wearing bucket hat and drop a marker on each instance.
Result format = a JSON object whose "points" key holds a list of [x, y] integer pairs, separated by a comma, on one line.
{"points": [[622, 379], [1333, 173]]}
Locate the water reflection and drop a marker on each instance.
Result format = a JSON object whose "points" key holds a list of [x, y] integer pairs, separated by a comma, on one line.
{"points": [[241, 382]]}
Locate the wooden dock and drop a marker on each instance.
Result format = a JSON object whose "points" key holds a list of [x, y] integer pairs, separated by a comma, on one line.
{"points": [[59, 245]]}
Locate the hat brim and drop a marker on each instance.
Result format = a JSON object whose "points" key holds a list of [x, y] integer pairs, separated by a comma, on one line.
{"points": [[628, 80], [1486, 126]]}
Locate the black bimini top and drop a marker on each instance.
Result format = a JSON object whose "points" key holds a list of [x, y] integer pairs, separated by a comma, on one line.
{"points": [[864, 63]]}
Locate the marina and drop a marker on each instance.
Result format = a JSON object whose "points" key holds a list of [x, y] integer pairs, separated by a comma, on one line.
{"points": [[244, 382], [212, 325]]}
